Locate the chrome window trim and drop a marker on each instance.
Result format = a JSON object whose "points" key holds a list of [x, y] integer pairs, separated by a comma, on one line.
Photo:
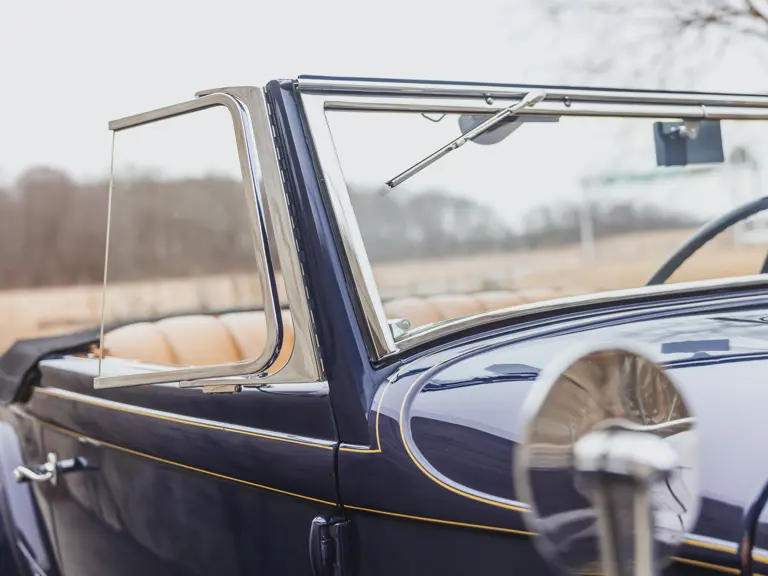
{"points": [[305, 363], [364, 283], [271, 224], [548, 107], [318, 95], [326, 85], [65, 364]]}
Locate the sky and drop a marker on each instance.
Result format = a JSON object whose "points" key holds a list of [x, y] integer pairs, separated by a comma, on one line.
{"points": [[68, 68]]}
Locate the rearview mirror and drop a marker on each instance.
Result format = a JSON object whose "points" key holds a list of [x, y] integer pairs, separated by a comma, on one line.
{"points": [[609, 433], [688, 142]]}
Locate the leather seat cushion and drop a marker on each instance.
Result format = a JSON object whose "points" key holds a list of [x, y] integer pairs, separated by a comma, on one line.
{"points": [[428, 309], [200, 340]]}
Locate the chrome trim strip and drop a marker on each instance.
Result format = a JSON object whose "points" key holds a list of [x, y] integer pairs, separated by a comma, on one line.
{"points": [[549, 107], [170, 111], [320, 95], [304, 365], [246, 146], [516, 91], [189, 420], [426, 333], [423, 464], [364, 282]]}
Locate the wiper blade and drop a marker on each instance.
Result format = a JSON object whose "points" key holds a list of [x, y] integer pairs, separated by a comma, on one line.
{"points": [[530, 99]]}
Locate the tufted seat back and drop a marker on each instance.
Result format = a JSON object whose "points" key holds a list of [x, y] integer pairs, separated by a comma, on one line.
{"points": [[429, 309], [199, 340]]}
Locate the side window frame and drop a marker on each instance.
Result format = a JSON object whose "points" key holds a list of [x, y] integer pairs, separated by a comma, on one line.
{"points": [[252, 141]]}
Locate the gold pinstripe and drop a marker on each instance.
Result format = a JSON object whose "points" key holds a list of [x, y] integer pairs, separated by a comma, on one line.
{"points": [[185, 466], [111, 405], [378, 438]]}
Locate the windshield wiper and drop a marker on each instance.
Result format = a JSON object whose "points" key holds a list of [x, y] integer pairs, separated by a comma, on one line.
{"points": [[530, 99]]}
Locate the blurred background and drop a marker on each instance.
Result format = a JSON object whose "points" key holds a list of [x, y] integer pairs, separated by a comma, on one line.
{"points": [[66, 69]]}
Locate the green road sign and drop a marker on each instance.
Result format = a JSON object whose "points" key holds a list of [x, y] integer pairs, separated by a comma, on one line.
{"points": [[614, 178]]}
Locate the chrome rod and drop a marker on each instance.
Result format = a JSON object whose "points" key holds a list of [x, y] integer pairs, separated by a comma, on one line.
{"points": [[530, 99], [426, 88], [550, 107], [162, 113]]}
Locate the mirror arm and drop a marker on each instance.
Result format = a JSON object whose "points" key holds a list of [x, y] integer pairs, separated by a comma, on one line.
{"points": [[615, 460], [749, 528], [601, 479], [530, 99]]}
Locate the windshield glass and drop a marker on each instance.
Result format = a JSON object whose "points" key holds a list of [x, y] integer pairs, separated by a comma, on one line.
{"points": [[573, 205]]}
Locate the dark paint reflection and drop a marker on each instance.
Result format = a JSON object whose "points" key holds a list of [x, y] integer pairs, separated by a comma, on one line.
{"points": [[138, 517], [468, 432]]}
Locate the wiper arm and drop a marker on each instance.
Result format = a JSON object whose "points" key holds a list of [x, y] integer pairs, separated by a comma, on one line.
{"points": [[530, 99]]}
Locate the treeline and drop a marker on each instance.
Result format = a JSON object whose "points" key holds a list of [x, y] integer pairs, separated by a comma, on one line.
{"points": [[433, 224], [53, 229]]}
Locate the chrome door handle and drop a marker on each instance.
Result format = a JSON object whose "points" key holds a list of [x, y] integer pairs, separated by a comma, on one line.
{"points": [[44, 473]]}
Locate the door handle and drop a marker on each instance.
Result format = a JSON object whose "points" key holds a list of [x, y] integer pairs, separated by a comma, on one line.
{"points": [[50, 471], [43, 473]]}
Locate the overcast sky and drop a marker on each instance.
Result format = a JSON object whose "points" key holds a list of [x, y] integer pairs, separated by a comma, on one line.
{"points": [[70, 67], [66, 69]]}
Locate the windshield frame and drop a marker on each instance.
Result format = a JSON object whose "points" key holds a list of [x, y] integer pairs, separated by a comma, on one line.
{"points": [[319, 95]]}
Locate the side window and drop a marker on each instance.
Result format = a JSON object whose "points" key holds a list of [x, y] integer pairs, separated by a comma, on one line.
{"points": [[186, 283]]}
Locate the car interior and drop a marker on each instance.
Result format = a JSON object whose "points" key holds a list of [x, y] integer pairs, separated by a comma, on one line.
{"points": [[210, 339]]}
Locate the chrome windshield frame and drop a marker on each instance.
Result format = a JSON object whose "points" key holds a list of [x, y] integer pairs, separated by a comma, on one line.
{"points": [[274, 234], [318, 95]]}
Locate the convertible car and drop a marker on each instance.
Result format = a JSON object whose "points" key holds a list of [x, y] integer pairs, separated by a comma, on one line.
{"points": [[371, 326]]}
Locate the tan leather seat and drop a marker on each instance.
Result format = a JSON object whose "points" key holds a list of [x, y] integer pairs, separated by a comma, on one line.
{"points": [[429, 309], [498, 299], [455, 305], [198, 340], [249, 329], [143, 341]]}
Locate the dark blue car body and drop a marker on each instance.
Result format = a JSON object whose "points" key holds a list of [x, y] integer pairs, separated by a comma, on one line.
{"points": [[411, 455]]}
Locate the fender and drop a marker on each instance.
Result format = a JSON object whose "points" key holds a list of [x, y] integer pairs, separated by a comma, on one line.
{"points": [[25, 548]]}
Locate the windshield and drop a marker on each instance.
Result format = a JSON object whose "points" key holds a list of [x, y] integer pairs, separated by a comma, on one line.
{"points": [[561, 206]]}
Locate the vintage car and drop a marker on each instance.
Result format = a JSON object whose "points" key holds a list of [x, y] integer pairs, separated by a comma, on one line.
{"points": [[296, 374]]}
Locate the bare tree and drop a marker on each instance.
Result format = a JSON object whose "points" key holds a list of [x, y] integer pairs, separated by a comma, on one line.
{"points": [[660, 42]]}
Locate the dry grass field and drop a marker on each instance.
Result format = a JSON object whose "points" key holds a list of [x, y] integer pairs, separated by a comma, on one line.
{"points": [[620, 262], [49, 311]]}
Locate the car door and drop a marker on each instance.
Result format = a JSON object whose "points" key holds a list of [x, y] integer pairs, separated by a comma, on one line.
{"points": [[178, 482], [174, 463]]}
